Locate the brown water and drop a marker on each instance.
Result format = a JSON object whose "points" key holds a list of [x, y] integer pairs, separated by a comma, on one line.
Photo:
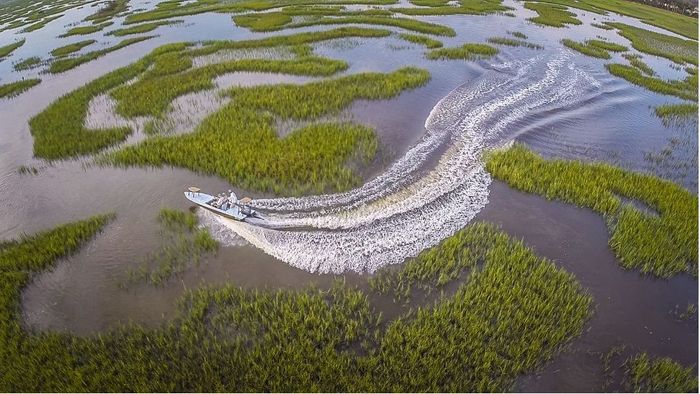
{"points": [[84, 294]]}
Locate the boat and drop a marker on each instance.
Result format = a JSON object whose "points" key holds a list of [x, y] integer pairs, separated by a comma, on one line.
{"points": [[231, 207]]}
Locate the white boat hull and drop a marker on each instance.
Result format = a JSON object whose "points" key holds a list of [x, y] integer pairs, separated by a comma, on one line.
{"points": [[202, 199]]}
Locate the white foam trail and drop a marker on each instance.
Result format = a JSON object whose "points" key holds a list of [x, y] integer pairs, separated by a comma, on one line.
{"points": [[409, 207]]}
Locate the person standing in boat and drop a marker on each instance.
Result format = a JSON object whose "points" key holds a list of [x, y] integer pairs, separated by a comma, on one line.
{"points": [[232, 199]]}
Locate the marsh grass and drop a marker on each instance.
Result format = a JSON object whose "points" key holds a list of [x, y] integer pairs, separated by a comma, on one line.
{"points": [[37, 252], [662, 245], [672, 21], [586, 49], [40, 24], [142, 28], [13, 89], [83, 30], [515, 311], [518, 34], [279, 20], [71, 48], [58, 130], [465, 7], [184, 244], [601, 26], [660, 375], [108, 11], [310, 159], [673, 48], [8, 49], [636, 62], [686, 89], [28, 63], [513, 42], [65, 64], [674, 113], [467, 51], [552, 15], [428, 42]]}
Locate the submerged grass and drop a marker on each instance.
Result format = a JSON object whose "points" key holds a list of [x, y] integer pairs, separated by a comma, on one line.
{"points": [[8, 49], [65, 64], [660, 375], [428, 42], [13, 89], [512, 314], [552, 15], [71, 48], [310, 159], [513, 42], [685, 89], [469, 51], [662, 245], [184, 244]]}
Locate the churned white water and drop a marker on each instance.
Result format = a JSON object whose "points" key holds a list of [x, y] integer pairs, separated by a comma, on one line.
{"points": [[418, 201]]}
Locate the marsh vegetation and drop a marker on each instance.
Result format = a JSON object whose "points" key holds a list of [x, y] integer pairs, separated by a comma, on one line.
{"points": [[65, 64], [660, 375], [341, 342], [184, 243], [71, 48], [15, 88], [549, 14], [663, 243], [469, 51]]}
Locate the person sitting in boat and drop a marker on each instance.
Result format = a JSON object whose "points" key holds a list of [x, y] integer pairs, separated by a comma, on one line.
{"points": [[220, 201]]}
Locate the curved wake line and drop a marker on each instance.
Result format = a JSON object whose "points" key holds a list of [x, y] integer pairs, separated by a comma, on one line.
{"points": [[413, 206]]}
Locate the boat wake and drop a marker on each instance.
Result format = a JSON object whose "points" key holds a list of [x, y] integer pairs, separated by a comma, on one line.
{"points": [[434, 190]]}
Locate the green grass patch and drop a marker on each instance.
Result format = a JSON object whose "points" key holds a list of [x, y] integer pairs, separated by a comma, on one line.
{"points": [[676, 112], [27, 63], [636, 62], [152, 96], [65, 64], [58, 130], [13, 89], [684, 25], [82, 30], [183, 244], [515, 312], [41, 24], [685, 89], [552, 15], [37, 252], [142, 28], [662, 245], [469, 51], [465, 7], [310, 159], [601, 26], [430, 3], [71, 48], [586, 49], [660, 375], [8, 49], [518, 34], [675, 49], [513, 42], [276, 21], [108, 11], [606, 45], [428, 42]]}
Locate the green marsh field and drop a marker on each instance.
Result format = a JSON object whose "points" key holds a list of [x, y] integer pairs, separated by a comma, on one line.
{"points": [[430, 195]]}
